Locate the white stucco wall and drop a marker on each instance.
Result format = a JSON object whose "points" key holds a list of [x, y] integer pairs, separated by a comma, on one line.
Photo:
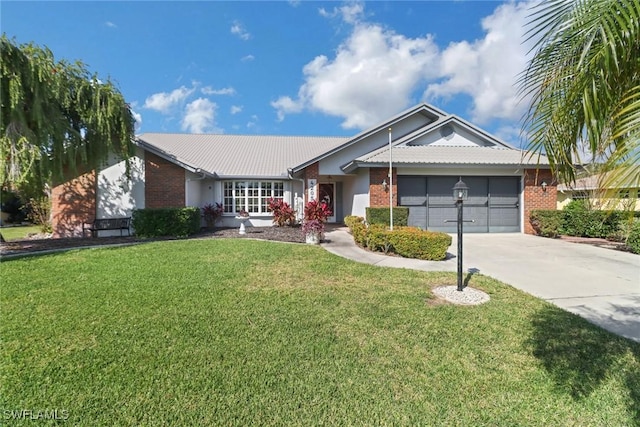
{"points": [[356, 193], [116, 195]]}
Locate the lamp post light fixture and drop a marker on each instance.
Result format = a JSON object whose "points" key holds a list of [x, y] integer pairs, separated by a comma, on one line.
{"points": [[460, 194]]}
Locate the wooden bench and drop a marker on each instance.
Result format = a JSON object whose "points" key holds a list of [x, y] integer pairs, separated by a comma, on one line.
{"points": [[107, 224]]}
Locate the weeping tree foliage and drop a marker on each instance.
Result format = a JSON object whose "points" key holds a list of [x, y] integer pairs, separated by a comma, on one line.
{"points": [[57, 118], [584, 86]]}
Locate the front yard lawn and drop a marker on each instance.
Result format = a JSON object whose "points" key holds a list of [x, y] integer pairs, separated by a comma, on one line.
{"points": [[18, 232], [240, 332]]}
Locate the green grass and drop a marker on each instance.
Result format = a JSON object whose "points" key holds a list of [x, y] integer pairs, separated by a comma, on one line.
{"points": [[19, 232], [240, 332]]}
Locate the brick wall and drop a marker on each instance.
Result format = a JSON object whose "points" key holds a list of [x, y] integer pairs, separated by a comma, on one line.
{"points": [[164, 183], [535, 197], [311, 172], [73, 203], [377, 195]]}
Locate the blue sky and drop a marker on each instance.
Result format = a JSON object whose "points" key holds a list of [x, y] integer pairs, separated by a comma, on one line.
{"points": [[291, 67]]}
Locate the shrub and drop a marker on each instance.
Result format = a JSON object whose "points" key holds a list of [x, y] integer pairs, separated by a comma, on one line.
{"points": [[547, 223], [582, 222], [315, 213], [377, 238], [633, 241], [212, 213], [177, 222], [317, 210], [351, 220], [359, 233], [283, 213], [412, 242], [381, 216], [39, 213], [13, 205]]}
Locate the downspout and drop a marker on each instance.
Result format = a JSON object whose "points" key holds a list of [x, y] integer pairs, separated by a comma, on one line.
{"points": [[290, 173]]}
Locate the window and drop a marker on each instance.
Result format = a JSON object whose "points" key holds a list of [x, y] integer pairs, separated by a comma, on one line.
{"points": [[252, 196]]}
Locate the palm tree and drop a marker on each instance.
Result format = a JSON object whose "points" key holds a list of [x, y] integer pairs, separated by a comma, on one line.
{"points": [[584, 86]]}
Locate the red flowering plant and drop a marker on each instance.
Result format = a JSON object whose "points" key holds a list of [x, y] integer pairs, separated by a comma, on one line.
{"points": [[315, 215], [212, 213], [283, 214]]}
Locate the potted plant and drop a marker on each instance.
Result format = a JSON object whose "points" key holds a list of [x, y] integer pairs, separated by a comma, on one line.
{"points": [[313, 231], [212, 213], [315, 215]]}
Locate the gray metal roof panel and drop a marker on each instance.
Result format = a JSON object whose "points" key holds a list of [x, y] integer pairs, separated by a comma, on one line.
{"points": [[426, 154], [241, 155]]}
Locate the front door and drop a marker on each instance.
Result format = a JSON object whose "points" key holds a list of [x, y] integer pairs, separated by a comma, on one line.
{"points": [[327, 194]]}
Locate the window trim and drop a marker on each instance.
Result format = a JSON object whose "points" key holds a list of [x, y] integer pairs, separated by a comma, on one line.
{"points": [[244, 186]]}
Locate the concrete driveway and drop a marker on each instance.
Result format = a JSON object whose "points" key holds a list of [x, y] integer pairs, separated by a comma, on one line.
{"points": [[602, 285], [599, 284]]}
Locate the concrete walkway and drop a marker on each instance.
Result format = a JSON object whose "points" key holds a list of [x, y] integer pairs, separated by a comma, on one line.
{"points": [[601, 285]]}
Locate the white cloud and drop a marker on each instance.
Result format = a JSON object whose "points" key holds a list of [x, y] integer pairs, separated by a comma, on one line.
{"points": [[247, 58], [235, 109], [373, 67], [110, 24], [200, 117], [138, 118], [376, 66], [487, 69], [350, 13], [238, 29], [163, 101], [208, 90]]}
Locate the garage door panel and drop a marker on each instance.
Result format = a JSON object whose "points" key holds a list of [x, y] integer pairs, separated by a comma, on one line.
{"points": [[493, 203], [417, 217]]}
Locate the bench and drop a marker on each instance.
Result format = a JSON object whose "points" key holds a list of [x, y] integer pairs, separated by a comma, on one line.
{"points": [[107, 224]]}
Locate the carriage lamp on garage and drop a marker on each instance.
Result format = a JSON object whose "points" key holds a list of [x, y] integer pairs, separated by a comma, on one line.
{"points": [[544, 186], [460, 194], [385, 186]]}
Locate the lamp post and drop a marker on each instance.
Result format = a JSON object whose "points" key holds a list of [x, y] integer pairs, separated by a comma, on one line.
{"points": [[460, 194]]}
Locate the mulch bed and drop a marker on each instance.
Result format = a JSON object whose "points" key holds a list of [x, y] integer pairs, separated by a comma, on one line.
{"points": [[32, 245]]}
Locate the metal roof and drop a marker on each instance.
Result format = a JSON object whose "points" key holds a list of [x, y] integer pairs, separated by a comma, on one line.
{"points": [[601, 181], [239, 155], [454, 155]]}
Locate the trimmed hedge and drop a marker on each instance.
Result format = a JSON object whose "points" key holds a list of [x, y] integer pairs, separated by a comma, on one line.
{"points": [[412, 242], [177, 222], [409, 242], [381, 216], [547, 223], [633, 241], [575, 220]]}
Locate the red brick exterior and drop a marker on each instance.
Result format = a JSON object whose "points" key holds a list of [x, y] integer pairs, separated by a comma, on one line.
{"points": [[537, 198], [164, 183], [311, 172], [73, 203], [377, 195]]}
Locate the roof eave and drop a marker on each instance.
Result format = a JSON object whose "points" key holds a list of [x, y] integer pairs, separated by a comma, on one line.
{"points": [[168, 157]]}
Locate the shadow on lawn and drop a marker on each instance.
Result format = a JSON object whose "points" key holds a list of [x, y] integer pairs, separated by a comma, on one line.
{"points": [[580, 356]]}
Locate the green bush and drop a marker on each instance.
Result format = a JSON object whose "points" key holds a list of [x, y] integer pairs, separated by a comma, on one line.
{"points": [[359, 233], [633, 241], [377, 238], [591, 223], [351, 220], [547, 223], [177, 222], [412, 242], [381, 216]]}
